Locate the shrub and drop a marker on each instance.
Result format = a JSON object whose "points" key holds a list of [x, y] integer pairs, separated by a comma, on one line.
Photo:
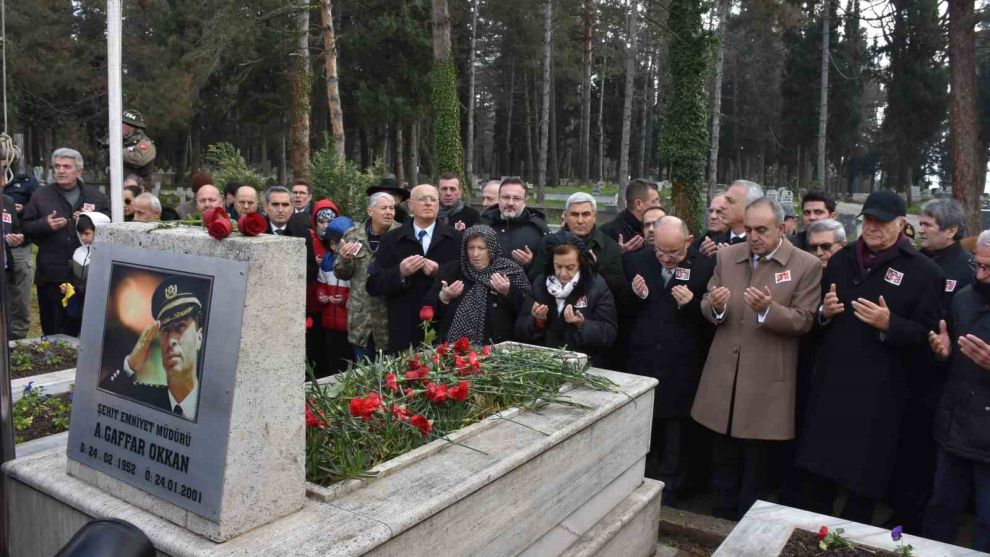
{"points": [[335, 178], [226, 164]]}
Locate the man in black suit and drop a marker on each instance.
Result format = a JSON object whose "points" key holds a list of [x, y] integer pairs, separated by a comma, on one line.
{"points": [[669, 341], [278, 209], [406, 265], [178, 328]]}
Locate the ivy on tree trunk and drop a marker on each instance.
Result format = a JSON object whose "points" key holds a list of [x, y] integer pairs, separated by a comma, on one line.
{"points": [[684, 141]]}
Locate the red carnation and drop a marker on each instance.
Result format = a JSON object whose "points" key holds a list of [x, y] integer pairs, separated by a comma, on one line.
{"points": [[220, 228], [309, 323], [822, 532], [390, 381], [400, 412], [421, 372], [312, 420], [486, 350], [422, 424], [408, 391], [252, 224], [426, 313], [462, 345], [442, 349], [414, 362], [364, 407], [212, 214], [437, 394], [460, 392]]}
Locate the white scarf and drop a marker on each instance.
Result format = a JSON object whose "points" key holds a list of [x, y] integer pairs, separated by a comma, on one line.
{"points": [[559, 291]]}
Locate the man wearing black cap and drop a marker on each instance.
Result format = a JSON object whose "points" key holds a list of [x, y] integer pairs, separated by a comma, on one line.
{"points": [[139, 150], [400, 194], [881, 297], [178, 327]]}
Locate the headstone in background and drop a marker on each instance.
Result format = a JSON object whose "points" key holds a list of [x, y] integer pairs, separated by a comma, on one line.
{"points": [[772, 193], [786, 195], [233, 459], [597, 189]]}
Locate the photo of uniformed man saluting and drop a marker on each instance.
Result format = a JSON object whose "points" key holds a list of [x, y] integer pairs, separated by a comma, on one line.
{"points": [[178, 311]]}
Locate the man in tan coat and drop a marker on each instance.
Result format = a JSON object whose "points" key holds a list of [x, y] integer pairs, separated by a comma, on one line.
{"points": [[762, 298]]}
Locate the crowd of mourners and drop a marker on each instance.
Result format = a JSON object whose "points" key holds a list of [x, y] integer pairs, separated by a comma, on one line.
{"points": [[834, 375]]}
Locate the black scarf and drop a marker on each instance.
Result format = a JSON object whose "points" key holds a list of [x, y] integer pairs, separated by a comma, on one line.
{"points": [[447, 212], [471, 313]]}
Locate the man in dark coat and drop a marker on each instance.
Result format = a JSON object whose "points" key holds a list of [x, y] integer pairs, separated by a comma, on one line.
{"points": [[453, 211], [881, 297], [962, 428], [627, 228], [520, 229], [717, 231], [667, 342], [941, 226], [398, 193], [48, 220], [407, 263]]}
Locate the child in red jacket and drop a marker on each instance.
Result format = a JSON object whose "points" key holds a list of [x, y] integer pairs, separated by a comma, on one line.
{"points": [[332, 294]]}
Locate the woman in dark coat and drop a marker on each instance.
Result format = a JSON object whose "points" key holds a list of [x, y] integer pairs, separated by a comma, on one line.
{"points": [[570, 306], [479, 295]]}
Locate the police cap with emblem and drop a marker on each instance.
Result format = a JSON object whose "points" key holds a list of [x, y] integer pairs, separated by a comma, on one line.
{"points": [[134, 118], [175, 299]]}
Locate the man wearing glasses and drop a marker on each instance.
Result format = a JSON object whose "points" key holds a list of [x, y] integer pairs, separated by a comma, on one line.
{"points": [[824, 238], [520, 229], [406, 265], [301, 197], [669, 341]]}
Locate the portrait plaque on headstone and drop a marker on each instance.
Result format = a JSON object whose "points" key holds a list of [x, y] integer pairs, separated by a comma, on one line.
{"points": [[156, 370]]}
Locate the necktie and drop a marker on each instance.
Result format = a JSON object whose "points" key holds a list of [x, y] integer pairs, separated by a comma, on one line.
{"points": [[421, 235], [667, 275], [756, 261], [736, 239], [279, 232], [177, 410]]}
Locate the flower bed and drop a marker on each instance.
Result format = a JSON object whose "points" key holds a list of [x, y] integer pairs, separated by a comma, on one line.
{"points": [[385, 407], [41, 356], [37, 414], [807, 544]]}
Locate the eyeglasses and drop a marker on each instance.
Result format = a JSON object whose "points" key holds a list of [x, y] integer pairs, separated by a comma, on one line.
{"points": [[826, 246], [426, 199], [648, 223], [977, 266], [661, 253], [514, 199]]}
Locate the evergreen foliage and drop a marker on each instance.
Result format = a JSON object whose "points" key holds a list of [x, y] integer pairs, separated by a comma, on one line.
{"points": [[447, 118]]}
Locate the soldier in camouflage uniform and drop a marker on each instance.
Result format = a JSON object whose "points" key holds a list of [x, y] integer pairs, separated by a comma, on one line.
{"points": [[367, 316], [139, 150]]}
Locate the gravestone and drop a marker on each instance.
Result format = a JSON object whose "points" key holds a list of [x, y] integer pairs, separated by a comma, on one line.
{"points": [[165, 305], [773, 194], [786, 196]]}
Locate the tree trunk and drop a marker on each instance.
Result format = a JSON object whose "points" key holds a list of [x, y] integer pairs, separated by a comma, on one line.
{"points": [[412, 158], [507, 152], [644, 116], [601, 126], [584, 141], [299, 130], [723, 16], [446, 104], [530, 163], [627, 102], [964, 125], [400, 156], [823, 101], [554, 171], [333, 90], [469, 151], [541, 175]]}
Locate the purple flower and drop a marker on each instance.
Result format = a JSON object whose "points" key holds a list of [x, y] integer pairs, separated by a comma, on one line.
{"points": [[27, 388], [895, 534]]}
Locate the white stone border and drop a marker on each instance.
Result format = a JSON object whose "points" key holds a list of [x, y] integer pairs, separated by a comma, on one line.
{"points": [[765, 529]]}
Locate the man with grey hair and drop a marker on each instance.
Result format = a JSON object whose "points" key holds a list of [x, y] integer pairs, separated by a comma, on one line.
{"points": [[825, 238], [49, 220], [762, 299], [739, 195], [278, 209], [489, 194], [941, 225], [147, 208], [668, 341]]}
